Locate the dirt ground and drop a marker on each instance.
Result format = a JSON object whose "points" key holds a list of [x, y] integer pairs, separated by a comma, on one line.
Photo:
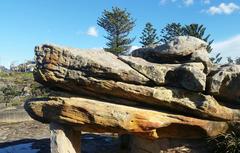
{"points": [[38, 134]]}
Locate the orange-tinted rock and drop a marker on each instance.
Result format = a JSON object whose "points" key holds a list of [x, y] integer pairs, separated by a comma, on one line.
{"points": [[99, 116]]}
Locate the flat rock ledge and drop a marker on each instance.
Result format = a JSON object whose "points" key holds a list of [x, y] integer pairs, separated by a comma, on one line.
{"points": [[99, 116]]}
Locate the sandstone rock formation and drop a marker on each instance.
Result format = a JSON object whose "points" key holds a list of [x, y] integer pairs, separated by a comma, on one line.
{"points": [[189, 76], [101, 92], [52, 73], [99, 64], [98, 116], [182, 49]]}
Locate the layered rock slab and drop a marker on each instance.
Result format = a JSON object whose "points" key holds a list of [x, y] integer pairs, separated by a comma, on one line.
{"points": [[99, 116], [94, 63], [181, 49], [51, 71], [224, 82], [189, 75]]}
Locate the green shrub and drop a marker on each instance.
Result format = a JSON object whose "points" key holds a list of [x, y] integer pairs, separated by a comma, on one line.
{"points": [[4, 74]]}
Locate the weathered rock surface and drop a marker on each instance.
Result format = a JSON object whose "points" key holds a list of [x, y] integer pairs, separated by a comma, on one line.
{"points": [[202, 56], [98, 116], [174, 99], [180, 50], [130, 95], [189, 75], [51, 73], [64, 140], [91, 63], [181, 46], [225, 82]]}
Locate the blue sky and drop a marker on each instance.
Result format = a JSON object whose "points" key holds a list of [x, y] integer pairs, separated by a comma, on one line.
{"points": [[27, 23]]}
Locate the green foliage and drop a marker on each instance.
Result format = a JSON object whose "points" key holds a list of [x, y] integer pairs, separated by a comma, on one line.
{"points": [[227, 143], [237, 61], [231, 61], [118, 25], [170, 31], [16, 87], [198, 31], [149, 36], [4, 74], [217, 59], [10, 92]]}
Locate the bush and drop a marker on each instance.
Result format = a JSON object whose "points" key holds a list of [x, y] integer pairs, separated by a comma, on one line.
{"points": [[228, 142]]}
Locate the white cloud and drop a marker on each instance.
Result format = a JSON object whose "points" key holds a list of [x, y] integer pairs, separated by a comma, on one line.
{"points": [[223, 9], [228, 48], [162, 2], [92, 31], [185, 2], [188, 2], [132, 48], [206, 1]]}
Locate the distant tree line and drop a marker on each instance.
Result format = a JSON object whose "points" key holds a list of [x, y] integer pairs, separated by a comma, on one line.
{"points": [[233, 61], [118, 24]]}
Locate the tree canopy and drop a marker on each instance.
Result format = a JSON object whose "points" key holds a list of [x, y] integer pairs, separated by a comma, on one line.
{"points": [[118, 23], [198, 31], [149, 36], [170, 31]]}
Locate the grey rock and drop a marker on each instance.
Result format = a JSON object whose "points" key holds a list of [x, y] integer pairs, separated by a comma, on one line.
{"points": [[175, 51], [189, 75], [224, 82], [180, 50], [202, 56]]}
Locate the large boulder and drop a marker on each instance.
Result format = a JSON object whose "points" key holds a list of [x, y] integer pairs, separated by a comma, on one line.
{"points": [[179, 50], [224, 82], [189, 75], [94, 63], [100, 116], [179, 47]]}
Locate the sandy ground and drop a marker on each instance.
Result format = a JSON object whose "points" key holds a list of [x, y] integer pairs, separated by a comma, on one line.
{"points": [[36, 136], [24, 130]]}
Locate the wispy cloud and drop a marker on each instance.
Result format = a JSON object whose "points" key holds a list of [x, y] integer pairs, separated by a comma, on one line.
{"points": [[185, 2], [206, 1], [132, 48], [162, 2], [188, 2], [223, 8], [228, 48], [92, 31]]}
